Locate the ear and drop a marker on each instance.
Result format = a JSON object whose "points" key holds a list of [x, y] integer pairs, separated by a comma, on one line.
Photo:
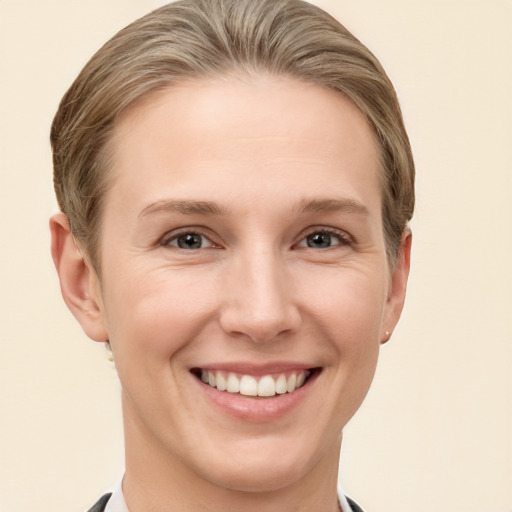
{"points": [[397, 286], [79, 284]]}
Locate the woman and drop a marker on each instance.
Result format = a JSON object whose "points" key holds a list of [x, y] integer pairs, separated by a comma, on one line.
{"points": [[235, 183]]}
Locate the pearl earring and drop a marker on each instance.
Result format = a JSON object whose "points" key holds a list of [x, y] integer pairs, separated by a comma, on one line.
{"points": [[387, 336]]}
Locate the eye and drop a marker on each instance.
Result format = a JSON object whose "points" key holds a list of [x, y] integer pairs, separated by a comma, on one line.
{"points": [[189, 241], [323, 239]]}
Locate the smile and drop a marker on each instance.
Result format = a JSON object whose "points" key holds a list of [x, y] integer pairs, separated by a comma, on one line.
{"points": [[257, 394], [251, 385]]}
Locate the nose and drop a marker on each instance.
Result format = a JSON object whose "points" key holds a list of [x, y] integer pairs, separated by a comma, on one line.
{"points": [[259, 299]]}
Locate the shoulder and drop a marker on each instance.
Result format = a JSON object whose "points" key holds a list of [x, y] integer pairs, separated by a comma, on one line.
{"points": [[101, 503]]}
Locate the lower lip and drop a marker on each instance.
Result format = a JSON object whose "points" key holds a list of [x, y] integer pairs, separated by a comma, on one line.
{"points": [[257, 409]]}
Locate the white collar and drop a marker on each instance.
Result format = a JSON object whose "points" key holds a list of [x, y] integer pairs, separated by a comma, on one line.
{"points": [[116, 503], [345, 507]]}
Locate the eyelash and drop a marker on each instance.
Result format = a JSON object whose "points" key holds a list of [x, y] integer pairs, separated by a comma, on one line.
{"points": [[169, 237], [343, 238]]}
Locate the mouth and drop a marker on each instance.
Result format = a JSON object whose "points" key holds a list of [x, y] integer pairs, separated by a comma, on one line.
{"points": [[248, 385]]}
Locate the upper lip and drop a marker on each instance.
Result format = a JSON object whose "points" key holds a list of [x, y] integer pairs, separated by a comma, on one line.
{"points": [[249, 368]]}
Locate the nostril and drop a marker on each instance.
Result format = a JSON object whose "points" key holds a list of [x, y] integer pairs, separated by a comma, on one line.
{"points": [[259, 329]]}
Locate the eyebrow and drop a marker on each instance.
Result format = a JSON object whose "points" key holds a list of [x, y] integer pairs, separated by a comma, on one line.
{"points": [[332, 205], [185, 207], [191, 207]]}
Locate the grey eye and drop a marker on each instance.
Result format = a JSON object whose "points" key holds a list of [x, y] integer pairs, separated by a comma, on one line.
{"points": [[321, 240], [190, 241]]}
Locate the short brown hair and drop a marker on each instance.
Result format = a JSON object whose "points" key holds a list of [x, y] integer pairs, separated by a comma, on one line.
{"points": [[192, 39]]}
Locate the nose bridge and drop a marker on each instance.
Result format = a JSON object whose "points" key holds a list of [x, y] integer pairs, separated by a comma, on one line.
{"points": [[260, 302]]}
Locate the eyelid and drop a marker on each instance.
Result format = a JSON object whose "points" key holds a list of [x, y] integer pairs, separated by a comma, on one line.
{"points": [[344, 238], [175, 233]]}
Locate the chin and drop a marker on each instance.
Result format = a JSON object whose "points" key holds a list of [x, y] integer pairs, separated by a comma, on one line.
{"points": [[261, 466], [261, 476]]}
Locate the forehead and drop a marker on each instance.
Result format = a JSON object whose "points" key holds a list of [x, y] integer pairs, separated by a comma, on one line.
{"points": [[257, 130]]}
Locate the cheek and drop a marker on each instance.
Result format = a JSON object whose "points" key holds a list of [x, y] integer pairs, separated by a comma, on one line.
{"points": [[347, 320], [350, 305], [154, 316]]}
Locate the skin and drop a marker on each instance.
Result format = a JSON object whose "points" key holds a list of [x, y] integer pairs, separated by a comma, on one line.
{"points": [[281, 160]]}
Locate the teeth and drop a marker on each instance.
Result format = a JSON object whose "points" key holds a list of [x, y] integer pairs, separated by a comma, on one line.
{"points": [[248, 385], [281, 385], [291, 383], [221, 382], [233, 384], [267, 386]]}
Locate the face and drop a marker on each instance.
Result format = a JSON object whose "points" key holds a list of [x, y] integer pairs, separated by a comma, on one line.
{"points": [[245, 288]]}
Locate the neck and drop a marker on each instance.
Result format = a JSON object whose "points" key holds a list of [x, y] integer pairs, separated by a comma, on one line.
{"points": [[158, 481]]}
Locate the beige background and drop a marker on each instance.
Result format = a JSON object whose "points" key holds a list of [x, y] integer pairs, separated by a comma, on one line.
{"points": [[435, 431]]}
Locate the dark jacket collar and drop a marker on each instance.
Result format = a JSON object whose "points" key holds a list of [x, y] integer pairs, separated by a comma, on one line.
{"points": [[101, 503]]}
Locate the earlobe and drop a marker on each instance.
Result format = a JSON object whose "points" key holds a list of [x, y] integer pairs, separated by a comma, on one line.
{"points": [[398, 286], [79, 283]]}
